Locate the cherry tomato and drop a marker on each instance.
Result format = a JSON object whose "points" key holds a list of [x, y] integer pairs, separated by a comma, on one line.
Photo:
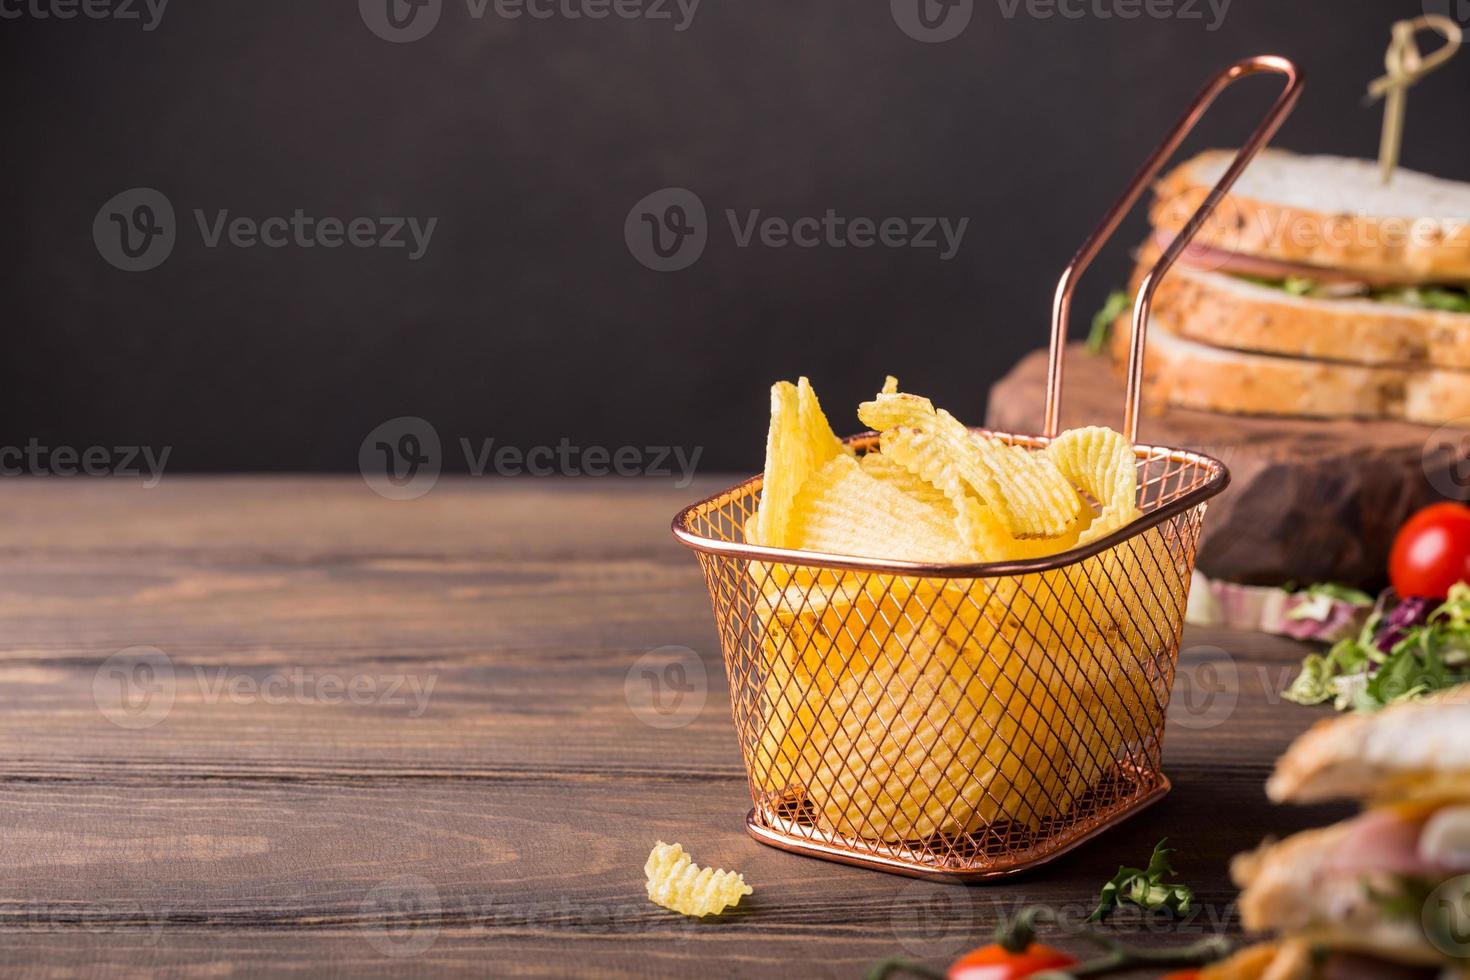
{"points": [[995, 962], [1431, 552]]}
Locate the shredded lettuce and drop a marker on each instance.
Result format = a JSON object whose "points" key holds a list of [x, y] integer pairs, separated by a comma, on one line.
{"points": [[1397, 656], [1145, 887], [1403, 897], [1118, 303], [1450, 298], [1321, 599]]}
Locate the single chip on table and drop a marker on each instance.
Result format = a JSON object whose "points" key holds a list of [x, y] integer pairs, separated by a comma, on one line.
{"points": [[678, 884]]}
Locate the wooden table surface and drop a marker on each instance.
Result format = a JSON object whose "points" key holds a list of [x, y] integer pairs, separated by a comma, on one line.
{"points": [[379, 738]]}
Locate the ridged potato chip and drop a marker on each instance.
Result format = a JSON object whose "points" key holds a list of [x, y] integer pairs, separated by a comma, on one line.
{"points": [[900, 477], [1025, 490], [929, 458], [891, 409], [1101, 463], [799, 441], [679, 885], [843, 510]]}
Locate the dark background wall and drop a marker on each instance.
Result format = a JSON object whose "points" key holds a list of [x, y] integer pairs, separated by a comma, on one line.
{"points": [[527, 318]]}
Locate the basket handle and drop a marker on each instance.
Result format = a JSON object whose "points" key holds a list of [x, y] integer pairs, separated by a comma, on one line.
{"points": [[1062, 301]]}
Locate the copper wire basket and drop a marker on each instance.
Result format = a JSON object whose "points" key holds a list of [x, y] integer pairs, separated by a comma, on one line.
{"points": [[968, 721]]}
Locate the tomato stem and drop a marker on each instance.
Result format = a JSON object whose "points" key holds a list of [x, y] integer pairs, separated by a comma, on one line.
{"points": [[897, 965], [1120, 957]]}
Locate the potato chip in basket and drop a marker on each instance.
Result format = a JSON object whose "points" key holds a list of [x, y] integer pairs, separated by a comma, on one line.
{"points": [[799, 441], [843, 510], [1102, 464], [1026, 491]]}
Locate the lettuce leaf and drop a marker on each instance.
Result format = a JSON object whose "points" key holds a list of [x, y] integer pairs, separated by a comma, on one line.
{"points": [[1449, 298], [1145, 887], [1413, 651], [1119, 302]]}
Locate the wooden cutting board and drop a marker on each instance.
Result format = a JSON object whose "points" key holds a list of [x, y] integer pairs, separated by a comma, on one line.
{"points": [[1309, 500]]}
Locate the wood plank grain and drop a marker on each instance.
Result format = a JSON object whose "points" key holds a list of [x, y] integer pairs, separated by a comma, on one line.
{"points": [[242, 836]]}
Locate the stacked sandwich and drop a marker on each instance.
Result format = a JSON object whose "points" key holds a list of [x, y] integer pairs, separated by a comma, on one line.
{"points": [[1385, 895], [1314, 290]]}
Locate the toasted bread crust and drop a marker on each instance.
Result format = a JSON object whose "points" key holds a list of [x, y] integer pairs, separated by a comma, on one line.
{"points": [[1226, 312], [1288, 960], [1290, 887], [1411, 250], [1250, 963], [1188, 374], [1366, 755]]}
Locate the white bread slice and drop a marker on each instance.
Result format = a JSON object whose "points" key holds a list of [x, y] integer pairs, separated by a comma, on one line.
{"points": [[1224, 311], [1327, 211], [1415, 749], [1289, 887], [1188, 374]]}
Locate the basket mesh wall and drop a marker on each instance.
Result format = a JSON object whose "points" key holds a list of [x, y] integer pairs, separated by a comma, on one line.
{"points": [[954, 726]]}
